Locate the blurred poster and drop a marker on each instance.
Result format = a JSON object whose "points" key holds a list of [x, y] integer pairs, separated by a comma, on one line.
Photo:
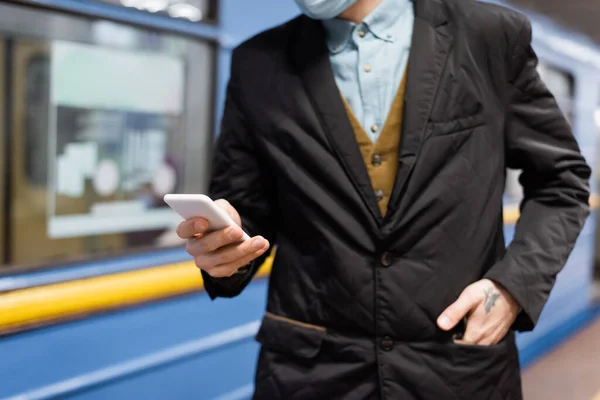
{"points": [[113, 116]]}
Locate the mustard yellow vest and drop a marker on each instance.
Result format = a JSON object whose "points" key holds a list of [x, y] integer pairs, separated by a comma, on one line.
{"points": [[381, 157]]}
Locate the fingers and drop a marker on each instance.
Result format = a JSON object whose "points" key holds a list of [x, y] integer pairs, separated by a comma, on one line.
{"points": [[228, 208], [195, 227], [486, 329], [213, 241], [220, 253], [475, 332], [459, 309], [226, 260], [192, 227], [487, 341], [480, 334], [490, 311]]}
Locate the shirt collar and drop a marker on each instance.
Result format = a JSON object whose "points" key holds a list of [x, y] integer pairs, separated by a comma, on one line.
{"points": [[338, 33], [380, 22]]}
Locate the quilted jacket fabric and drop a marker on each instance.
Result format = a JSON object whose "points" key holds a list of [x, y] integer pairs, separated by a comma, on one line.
{"points": [[353, 296]]}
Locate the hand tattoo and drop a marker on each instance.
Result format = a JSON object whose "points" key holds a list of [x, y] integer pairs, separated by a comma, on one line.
{"points": [[490, 299]]}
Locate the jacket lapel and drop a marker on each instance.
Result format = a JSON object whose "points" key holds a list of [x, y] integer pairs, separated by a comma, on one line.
{"points": [[311, 58], [431, 42]]}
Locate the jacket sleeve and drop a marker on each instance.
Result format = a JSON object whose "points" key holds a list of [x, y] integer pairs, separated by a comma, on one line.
{"points": [[240, 176], [555, 180]]}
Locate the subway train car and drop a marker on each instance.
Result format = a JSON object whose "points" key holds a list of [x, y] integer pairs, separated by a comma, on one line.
{"points": [[106, 105]]}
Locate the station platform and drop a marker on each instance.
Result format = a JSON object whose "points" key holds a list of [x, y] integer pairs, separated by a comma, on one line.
{"points": [[570, 372]]}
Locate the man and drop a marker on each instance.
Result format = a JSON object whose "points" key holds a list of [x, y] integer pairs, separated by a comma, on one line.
{"points": [[369, 140]]}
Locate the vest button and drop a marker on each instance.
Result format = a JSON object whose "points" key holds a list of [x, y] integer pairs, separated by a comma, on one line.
{"points": [[386, 344], [386, 259], [376, 160], [379, 194]]}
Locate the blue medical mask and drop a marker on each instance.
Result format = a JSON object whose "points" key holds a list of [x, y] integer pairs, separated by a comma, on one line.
{"points": [[323, 9]]}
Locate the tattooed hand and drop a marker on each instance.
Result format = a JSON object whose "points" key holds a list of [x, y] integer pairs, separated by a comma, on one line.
{"points": [[490, 312]]}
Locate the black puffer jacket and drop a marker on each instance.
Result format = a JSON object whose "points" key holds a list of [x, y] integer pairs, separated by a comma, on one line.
{"points": [[354, 297]]}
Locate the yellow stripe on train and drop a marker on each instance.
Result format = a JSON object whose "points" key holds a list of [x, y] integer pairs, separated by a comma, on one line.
{"points": [[31, 307]]}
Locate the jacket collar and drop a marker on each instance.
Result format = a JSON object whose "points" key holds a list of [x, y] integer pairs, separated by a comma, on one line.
{"points": [[381, 22]]}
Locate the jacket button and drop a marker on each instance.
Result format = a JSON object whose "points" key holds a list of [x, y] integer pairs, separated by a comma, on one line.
{"points": [[376, 160], [387, 343], [386, 259]]}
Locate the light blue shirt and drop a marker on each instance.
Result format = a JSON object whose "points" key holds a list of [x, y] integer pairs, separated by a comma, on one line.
{"points": [[369, 60]]}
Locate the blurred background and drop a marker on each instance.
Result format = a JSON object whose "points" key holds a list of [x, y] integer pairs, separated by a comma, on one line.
{"points": [[107, 105]]}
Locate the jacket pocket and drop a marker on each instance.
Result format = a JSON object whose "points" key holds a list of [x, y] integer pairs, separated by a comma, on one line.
{"points": [[291, 337], [475, 371], [457, 125], [466, 347]]}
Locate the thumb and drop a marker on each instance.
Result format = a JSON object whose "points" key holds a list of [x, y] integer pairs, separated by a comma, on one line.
{"points": [[223, 204], [228, 208], [456, 311]]}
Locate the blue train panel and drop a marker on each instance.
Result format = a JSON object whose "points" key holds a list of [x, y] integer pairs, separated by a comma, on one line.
{"points": [[193, 347]]}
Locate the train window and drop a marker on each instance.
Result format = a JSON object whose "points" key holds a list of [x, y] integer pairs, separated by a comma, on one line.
{"points": [[561, 85], [188, 10], [105, 119], [3, 161]]}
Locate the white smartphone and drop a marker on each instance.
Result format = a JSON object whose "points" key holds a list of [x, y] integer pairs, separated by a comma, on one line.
{"points": [[199, 205]]}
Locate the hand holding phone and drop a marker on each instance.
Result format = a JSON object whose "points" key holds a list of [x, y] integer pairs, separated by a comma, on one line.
{"points": [[215, 239], [190, 206]]}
